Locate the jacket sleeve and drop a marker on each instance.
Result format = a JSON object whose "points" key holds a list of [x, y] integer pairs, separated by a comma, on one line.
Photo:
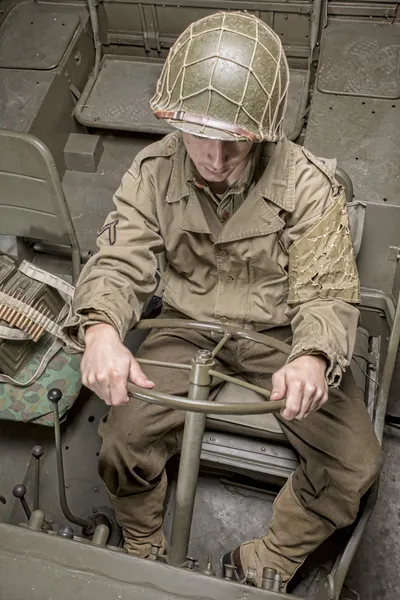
{"points": [[323, 278], [116, 282]]}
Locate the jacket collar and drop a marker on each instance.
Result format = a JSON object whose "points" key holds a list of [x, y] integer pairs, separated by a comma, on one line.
{"points": [[278, 181], [255, 217]]}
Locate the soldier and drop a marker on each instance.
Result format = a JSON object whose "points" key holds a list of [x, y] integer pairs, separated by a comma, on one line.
{"points": [[253, 231]]}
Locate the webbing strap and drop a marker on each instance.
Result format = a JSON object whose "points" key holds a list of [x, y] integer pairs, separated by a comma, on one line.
{"points": [[11, 333], [34, 272]]}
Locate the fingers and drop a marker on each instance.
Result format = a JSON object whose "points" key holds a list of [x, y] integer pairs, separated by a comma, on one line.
{"points": [[278, 385], [320, 398], [137, 376], [98, 383], [117, 389], [309, 391], [294, 397]]}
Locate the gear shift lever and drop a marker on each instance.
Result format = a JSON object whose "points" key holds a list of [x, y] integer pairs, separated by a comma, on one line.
{"points": [[89, 526], [19, 491], [37, 453], [54, 396]]}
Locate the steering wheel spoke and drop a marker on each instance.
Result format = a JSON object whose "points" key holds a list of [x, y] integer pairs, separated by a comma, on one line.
{"points": [[201, 372], [204, 406]]}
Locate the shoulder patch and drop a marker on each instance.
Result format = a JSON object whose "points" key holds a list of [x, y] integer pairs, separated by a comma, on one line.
{"points": [[165, 147]]}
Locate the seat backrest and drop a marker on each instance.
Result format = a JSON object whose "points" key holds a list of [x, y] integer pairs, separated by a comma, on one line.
{"points": [[32, 202]]}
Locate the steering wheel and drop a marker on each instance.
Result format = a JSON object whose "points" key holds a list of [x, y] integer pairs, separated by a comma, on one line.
{"points": [[201, 406]]}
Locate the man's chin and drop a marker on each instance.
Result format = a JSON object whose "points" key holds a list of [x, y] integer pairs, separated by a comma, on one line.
{"points": [[214, 177]]}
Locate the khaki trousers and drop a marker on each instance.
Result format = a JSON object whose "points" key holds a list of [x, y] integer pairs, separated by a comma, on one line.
{"points": [[339, 454]]}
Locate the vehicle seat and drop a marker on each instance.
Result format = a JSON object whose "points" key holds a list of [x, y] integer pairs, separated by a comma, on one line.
{"points": [[267, 425], [32, 201], [255, 445]]}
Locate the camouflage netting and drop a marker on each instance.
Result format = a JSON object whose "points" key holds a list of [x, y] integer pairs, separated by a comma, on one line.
{"points": [[321, 262], [226, 77]]}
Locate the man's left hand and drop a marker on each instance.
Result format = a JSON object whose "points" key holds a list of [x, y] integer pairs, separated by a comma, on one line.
{"points": [[302, 383]]}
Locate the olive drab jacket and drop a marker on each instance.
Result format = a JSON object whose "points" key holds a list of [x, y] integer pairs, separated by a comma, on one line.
{"points": [[283, 257]]}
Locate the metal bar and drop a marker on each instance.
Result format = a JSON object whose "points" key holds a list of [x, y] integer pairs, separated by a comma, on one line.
{"points": [[210, 408], [160, 363], [97, 64], [227, 336], [336, 578], [214, 327], [298, 7], [26, 508], [60, 472], [240, 383], [360, 8], [387, 374], [37, 484], [200, 383], [372, 374]]}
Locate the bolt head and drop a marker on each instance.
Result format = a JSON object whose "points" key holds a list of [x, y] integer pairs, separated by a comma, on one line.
{"points": [[203, 356], [66, 531]]}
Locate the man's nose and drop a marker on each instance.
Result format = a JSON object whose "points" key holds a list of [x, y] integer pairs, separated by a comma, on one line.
{"points": [[218, 154]]}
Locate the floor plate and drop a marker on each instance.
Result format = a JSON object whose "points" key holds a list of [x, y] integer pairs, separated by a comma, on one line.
{"points": [[35, 37]]}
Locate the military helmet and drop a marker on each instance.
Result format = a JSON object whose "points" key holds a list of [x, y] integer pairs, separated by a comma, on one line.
{"points": [[226, 77]]}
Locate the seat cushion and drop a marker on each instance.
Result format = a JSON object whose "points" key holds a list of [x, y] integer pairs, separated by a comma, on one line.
{"points": [[254, 425]]}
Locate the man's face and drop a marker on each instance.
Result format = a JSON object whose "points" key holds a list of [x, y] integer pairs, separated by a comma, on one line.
{"points": [[216, 160]]}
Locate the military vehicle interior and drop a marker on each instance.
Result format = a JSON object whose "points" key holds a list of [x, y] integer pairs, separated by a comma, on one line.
{"points": [[76, 78]]}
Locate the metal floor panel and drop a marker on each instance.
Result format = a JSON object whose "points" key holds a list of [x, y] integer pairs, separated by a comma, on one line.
{"points": [[120, 96], [360, 58], [21, 94], [364, 135], [35, 37]]}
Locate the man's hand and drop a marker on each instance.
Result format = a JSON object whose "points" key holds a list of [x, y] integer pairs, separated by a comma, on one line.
{"points": [[106, 365], [302, 382]]}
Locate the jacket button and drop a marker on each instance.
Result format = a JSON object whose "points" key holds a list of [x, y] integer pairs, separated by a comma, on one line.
{"points": [[223, 253], [229, 278], [223, 320]]}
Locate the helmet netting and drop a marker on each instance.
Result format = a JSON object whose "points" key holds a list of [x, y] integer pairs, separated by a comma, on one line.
{"points": [[172, 96]]}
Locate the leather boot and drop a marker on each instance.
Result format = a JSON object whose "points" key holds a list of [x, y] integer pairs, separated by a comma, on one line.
{"points": [[293, 534]]}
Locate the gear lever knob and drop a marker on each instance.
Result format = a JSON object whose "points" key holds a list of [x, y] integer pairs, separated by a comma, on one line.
{"points": [[37, 451], [54, 395], [19, 491]]}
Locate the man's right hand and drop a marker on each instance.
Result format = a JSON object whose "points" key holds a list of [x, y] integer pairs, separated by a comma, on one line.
{"points": [[106, 365]]}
